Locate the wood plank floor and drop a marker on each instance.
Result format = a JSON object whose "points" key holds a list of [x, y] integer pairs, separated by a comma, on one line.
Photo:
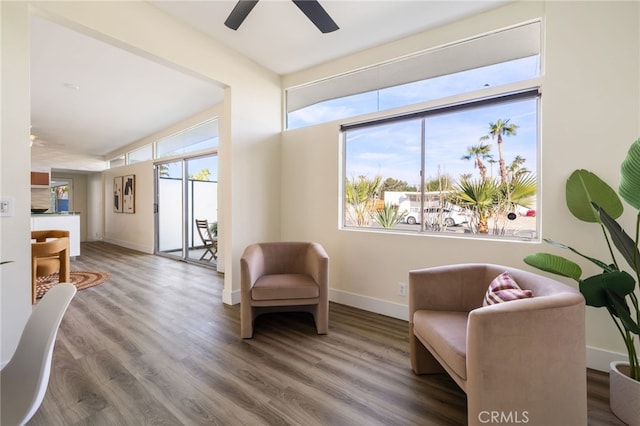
{"points": [[156, 346]]}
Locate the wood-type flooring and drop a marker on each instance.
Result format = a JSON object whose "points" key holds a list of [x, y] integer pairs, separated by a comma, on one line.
{"points": [[155, 345]]}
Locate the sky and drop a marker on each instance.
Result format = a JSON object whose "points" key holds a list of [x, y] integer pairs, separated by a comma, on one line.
{"points": [[393, 150]]}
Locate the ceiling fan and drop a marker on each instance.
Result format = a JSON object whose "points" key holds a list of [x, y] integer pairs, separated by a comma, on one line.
{"points": [[311, 8]]}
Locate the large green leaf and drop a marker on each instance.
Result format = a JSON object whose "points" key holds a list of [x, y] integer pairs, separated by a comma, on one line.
{"points": [[621, 310], [597, 262], [623, 242], [594, 289], [555, 264], [584, 188], [630, 177]]}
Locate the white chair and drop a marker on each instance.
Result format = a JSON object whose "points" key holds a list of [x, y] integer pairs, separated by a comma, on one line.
{"points": [[25, 378]]}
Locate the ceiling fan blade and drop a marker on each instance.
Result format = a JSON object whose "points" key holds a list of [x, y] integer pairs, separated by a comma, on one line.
{"points": [[316, 13], [239, 13]]}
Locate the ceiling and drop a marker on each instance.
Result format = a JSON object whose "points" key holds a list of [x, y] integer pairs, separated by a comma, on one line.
{"points": [[89, 98]]}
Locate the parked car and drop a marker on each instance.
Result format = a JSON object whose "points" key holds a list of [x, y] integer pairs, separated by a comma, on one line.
{"points": [[435, 215]]}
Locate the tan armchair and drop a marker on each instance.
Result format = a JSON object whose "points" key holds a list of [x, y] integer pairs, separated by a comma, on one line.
{"points": [[523, 360], [284, 276], [49, 254]]}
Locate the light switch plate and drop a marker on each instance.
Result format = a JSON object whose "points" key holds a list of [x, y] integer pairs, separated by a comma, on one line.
{"points": [[6, 206]]}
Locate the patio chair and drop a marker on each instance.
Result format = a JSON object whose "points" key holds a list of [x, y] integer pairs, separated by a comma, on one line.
{"points": [[209, 241]]}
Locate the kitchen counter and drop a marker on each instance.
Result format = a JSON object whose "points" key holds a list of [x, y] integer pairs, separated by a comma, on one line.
{"points": [[64, 221], [56, 214]]}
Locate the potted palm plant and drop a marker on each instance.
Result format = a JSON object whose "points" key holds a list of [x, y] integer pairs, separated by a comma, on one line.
{"points": [[590, 199]]}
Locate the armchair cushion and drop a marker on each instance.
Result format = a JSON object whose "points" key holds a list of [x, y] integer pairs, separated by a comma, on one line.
{"points": [[504, 289], [285, 286]]}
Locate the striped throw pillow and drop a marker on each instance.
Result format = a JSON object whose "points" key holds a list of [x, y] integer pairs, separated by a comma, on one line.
{"points": [[504, 289]]}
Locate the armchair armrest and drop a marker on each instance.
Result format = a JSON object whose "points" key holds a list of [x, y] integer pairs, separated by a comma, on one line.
{"points": [[317, 264], [527, 341], [252, 267]]}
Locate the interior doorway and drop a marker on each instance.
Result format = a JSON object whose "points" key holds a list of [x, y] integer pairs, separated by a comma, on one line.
{"points": [[186, 190]]}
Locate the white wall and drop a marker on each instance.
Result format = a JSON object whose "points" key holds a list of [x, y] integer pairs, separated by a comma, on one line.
{"points": [[15, 166], [590, 116]]}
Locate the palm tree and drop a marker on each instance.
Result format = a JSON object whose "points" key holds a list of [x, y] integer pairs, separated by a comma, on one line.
{"points": [[480, 197], [465, 176], [163, 170], [496, 131], [515, 169], [203, 175], [522, 191], [492, 161], [479, 153]]}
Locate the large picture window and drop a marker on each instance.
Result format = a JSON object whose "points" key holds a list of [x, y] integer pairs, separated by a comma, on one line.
{"points": [[467, 169]]}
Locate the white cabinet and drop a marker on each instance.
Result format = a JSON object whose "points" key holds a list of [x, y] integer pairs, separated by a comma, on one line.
{"points": [[65, 222]]}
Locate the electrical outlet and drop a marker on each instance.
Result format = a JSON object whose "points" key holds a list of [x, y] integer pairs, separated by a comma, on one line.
{"points": [[402, 289]]}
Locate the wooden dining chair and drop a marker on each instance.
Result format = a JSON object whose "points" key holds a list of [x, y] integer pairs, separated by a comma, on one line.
{"points": [[49, 254]]}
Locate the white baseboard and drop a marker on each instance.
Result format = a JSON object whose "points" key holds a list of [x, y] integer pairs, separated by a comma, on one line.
{"points": [[597, 358], [230, 297], [600, 359], [371, 304], [126, 244]]}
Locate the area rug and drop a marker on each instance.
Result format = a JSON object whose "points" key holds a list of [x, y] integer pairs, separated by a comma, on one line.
{"points": [[81, 279]]}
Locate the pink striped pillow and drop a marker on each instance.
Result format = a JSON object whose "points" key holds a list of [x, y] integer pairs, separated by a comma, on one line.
{"points": [[504, 289]]}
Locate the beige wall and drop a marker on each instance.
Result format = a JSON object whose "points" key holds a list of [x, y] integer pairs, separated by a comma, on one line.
{"points": [[134, 231], [590, 116], [94, 219], [249, 129]]}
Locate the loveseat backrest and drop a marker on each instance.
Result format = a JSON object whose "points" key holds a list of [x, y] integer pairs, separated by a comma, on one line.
{"points": [[540, 285]]}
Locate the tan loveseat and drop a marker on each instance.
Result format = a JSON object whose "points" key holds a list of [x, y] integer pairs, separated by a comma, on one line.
{"points": [[521, 361], [284, 276]]}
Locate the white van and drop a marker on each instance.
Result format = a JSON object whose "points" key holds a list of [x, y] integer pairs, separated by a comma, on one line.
{"points": [[437, 215]]}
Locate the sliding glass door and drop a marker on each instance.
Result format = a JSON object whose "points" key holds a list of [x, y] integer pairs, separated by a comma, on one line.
{"points": [[186, 191]]}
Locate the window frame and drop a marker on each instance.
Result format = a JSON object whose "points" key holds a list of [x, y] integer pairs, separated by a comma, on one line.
{"points": [[500, 45], [491, 96]]}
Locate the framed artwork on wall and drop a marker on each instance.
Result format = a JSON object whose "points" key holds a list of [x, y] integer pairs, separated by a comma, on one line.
{"points": [[129, 194], [117, 194]]}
